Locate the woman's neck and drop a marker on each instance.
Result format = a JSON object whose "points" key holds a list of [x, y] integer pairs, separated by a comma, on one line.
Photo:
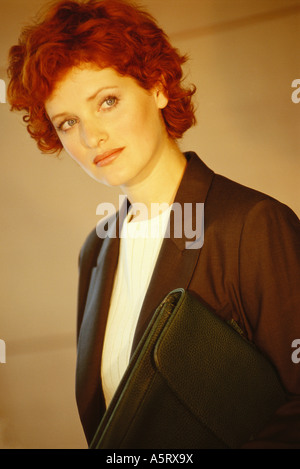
{"points": [[161, 183]]}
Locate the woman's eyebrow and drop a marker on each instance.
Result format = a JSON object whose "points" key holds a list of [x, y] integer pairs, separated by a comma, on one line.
{"points": [[90, 98]]}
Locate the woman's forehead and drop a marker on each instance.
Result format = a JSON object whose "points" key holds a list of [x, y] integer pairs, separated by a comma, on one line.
{"points": [[85, 78]]}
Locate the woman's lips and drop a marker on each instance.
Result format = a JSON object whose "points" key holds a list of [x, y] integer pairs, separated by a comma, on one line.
{"points": [[107, 157]]}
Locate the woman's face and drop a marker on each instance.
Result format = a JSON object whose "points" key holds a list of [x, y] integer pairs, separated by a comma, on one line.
{"points": [[108, 124]]}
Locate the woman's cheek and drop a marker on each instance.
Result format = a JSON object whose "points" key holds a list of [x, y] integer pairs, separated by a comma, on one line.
{"points": [[72, 145]]}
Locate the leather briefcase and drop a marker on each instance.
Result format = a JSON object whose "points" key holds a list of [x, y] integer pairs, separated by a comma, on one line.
{"points": [[193, 382]]}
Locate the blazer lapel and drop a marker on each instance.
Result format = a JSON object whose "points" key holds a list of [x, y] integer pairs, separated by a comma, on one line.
{"points": [[91, 337], [177, 258]]}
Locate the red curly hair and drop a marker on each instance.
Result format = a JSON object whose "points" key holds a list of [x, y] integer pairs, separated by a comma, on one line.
{"points": [[107, 33]]}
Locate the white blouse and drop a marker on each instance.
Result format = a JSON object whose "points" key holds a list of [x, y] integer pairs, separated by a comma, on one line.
{"points": [[140, 243]]}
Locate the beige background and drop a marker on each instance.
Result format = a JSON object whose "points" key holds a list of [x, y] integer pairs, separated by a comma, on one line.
{"points": [[244, 57]]}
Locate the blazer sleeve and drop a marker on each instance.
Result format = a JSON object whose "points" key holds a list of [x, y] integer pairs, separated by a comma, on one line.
{"points": [[269, 269]]}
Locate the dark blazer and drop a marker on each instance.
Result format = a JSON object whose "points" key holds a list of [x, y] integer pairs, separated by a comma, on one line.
{"points": [[248, 270]]}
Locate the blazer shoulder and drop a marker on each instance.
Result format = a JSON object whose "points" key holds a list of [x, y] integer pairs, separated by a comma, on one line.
{"points": [[230, 207], [236, 192], [228, 196]]}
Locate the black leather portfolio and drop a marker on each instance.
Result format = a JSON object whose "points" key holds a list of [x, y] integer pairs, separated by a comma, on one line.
{"points": [[193, 382]]}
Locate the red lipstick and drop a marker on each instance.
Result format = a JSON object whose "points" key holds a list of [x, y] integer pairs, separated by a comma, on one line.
{"points": [[107, 157]]}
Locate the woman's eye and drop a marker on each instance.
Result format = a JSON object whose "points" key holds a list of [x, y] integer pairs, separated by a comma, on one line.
{"points": [[109, 102], [66, 125]]}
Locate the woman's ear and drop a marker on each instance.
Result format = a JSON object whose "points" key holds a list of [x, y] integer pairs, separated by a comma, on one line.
{"points": [[160, 96]]}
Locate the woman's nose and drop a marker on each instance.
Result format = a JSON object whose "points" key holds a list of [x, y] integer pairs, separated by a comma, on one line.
{"points": [[92, 134]]}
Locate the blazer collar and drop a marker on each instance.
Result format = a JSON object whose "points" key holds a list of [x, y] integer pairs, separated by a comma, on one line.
{"points": [[193, 190], [177, 258]]}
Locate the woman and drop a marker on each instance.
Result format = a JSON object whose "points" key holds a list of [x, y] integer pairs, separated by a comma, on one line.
{"points": [[100, 79]]}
